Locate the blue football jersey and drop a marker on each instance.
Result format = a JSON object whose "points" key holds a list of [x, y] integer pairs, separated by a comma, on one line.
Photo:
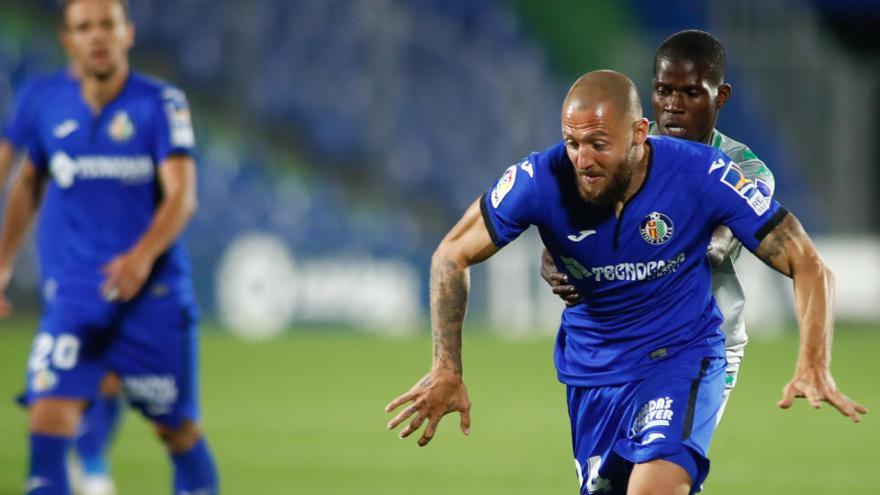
{"points": [[20, 129], [20, 124], [103, 171], [644, 276]]}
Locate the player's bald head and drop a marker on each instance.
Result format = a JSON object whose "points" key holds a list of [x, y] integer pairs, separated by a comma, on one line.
{"points": [[607, 93]]}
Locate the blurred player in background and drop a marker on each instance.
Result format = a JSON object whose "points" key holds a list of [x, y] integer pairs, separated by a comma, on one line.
{"points": [[688, 92], [91, 474], [115, 153], [630, 217]]}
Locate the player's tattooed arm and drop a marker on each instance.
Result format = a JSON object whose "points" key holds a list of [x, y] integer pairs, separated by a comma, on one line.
{"points": [[789, 250], [442, 390], [21, 208]]}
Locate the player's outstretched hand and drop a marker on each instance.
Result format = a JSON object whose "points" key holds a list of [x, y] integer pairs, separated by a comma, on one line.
{"points": [[126, 275], [816, 385], [434, 396], [558, 281]]}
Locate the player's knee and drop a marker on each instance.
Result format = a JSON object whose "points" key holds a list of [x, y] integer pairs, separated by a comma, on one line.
{"points": [[53, 416], [182, 439], [111, 385], [659, 477]]}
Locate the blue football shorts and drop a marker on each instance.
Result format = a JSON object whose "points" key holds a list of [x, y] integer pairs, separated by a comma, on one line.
{"points": [[670, 415], [151, 343]]}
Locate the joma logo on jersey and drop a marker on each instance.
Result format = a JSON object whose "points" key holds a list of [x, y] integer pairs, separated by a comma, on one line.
{"points": [[757, 194], [656, 228], [130, 169]]}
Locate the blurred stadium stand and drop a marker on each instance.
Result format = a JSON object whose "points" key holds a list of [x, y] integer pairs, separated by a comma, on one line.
{"points": [[361, 130]]}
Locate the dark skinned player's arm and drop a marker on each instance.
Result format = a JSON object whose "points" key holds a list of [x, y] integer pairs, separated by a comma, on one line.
{"points": [[789, 250]]}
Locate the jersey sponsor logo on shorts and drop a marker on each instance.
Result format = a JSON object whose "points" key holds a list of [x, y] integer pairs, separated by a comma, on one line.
{"points": [[121, 128], [654, 413], [129, 169], [504, 185], [758, 194], [158, 393], [65, 128], [656, 228]]}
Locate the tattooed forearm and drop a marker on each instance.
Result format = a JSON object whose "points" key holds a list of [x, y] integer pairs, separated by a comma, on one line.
{"points": [[449, 294], [784, 242]]}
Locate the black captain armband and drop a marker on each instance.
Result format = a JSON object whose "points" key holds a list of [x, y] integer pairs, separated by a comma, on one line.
{"points": [[771, 224], [488, 221]]}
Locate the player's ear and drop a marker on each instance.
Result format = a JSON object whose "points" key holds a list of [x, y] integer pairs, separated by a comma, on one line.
{"points": [[640, 131], [723, 94], [130, 35]]}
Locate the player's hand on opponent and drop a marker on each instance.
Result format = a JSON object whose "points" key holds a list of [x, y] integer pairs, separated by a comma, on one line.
{"points": [[434, 396], [816, 384], [558, 281], [126, 275]]}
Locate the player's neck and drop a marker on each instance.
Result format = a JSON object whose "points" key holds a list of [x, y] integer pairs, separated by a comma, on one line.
{"points": [[640, 174], [98, 92]]}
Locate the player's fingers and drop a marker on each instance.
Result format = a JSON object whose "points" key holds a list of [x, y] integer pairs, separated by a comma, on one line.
{"points": [[400, 418], [813, 396], [846, 406], [860, 408], [563, 290], [573, 298], [429, 431], [403, 399], [788, 393], [558, 279], [413, 426], [465, 421], [5, 307]]}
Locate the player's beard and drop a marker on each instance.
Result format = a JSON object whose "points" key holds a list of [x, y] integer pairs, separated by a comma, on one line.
{"points": [[617, 184]]}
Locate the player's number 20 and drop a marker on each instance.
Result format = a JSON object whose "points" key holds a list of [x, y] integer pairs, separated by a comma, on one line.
{"points": [[62, 352]]}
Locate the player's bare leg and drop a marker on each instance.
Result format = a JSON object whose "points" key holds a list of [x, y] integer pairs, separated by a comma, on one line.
{"points": [[182, 439], [659, 477]]}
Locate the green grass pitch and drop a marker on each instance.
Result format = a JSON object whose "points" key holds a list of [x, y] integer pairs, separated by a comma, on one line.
{"points": [[303, 415]]}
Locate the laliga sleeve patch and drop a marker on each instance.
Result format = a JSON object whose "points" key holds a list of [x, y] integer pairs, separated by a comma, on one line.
{"points": [[179, 119], [504, 185], [756, 193]]}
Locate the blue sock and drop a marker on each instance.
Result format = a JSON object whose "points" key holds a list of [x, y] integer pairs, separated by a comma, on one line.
{"points": [[97, 430], [194, 471], [48, 469]]}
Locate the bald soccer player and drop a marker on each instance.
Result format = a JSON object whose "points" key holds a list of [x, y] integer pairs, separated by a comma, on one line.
{"points": [[689, 91], [642, 355]]}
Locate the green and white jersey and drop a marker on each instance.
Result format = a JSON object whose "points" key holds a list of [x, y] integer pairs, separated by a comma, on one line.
{"points": [[726, 287]]}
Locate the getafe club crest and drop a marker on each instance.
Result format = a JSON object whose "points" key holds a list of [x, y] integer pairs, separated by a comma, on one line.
{"points": [[656, 228], [120, 128]]}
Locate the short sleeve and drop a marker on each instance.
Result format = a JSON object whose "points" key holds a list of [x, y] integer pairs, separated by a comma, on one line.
{"points": [[19, 127], [510, 206], [744, 205], [174, 130]]}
